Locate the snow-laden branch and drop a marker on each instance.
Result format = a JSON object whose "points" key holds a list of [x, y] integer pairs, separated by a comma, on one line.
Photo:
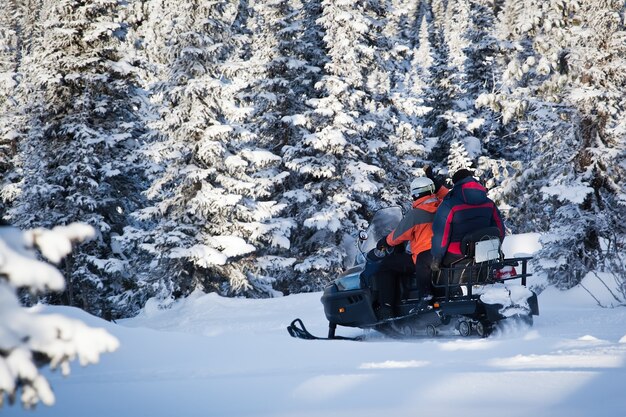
{"points": [[28, 339]]}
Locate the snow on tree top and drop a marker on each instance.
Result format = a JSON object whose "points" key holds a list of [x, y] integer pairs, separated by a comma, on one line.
{"points": [[233, 245], [570, 192], [201, 255], [259, 157], [296, 119]]}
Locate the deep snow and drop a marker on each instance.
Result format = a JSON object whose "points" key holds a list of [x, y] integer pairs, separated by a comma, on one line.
{"points": [[214, 356]]}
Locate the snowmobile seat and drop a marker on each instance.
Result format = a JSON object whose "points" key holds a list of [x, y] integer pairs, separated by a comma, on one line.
{"points": [[479, 247], [471, 268], [469, 241]]}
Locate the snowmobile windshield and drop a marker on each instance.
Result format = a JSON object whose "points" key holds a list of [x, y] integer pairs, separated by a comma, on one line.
{"points": [[383, 223]]}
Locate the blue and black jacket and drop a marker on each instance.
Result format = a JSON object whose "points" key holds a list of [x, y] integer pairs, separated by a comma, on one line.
{"points": [[464, 210]]}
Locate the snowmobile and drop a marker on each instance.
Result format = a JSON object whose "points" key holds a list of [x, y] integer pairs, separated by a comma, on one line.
{"points": [[472, 296]]}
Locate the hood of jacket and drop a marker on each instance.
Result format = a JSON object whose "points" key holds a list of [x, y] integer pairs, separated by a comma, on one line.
{"points": [[470, 191], [428, 203]]}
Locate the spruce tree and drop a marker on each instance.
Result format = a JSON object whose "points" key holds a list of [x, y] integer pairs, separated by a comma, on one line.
{"points": [[555, 136], [77, 161], [211, 213], [336, 161], [10, 116], [597, 72], [283, 68]]}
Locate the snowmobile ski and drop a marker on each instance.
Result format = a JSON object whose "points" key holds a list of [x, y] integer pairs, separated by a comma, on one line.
{"points": [[298, 330]]}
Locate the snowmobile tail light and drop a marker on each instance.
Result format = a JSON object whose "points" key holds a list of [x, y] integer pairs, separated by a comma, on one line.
{"points": [[436, 305], [342, 309], [506, 272]]}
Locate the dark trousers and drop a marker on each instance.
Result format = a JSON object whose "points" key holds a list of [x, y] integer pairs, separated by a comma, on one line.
{"points": [[401, 265], [423, 273], [392, 266]]}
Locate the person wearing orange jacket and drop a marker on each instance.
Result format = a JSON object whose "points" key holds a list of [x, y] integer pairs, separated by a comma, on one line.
{"points": [[415, 228]]}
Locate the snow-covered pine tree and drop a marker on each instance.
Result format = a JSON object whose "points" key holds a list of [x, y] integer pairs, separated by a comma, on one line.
{"points": [[408, 60], [212, 212], [263, 69], [447, 96], [458, 158], [496, 165], [422, 57], [334, 162], [76, 160], [567, 253], [597, 69], [186, 42], [441, 89], [455, 27], [283, 68], [505, 135], [482, 68], [10, 55], [31, 340], [553, 137]]}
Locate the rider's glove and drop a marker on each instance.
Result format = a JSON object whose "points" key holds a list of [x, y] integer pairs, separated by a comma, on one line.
{"points": [[382, 244], [436, 179], [428, 171], [435, 265]]}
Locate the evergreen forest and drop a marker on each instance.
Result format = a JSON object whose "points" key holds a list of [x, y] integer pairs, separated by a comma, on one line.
{"points": [[238, 146]]}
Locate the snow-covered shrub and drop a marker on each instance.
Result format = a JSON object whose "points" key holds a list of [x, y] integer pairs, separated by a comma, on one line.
{"points": [[30, 340]]}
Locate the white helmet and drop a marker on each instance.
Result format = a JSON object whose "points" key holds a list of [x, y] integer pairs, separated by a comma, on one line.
{"points": [[421, 185]]}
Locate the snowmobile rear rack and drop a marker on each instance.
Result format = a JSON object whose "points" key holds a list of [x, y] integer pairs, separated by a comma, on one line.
{"points": [[450, 280]]}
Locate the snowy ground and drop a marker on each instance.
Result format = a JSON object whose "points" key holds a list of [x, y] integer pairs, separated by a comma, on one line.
{"points": [[213, 356]]}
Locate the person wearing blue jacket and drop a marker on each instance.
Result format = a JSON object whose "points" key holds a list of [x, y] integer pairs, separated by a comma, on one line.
{"points": [[464, 210]]}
